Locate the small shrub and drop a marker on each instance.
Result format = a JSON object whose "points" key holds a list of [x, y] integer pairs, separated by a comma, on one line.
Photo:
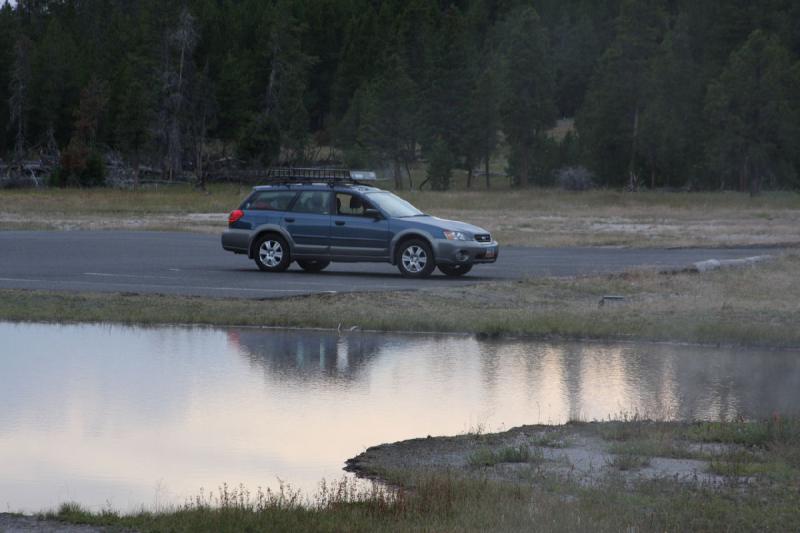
{"points": [[79, 167], [628, 461], [576, 178], [520, 454], [440, 166], [737, 463], [548, 441]]}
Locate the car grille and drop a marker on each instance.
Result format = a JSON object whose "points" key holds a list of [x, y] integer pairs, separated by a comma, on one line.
{"points": [[483, 237]]}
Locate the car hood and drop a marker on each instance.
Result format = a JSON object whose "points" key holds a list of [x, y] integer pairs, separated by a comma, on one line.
{"points": [[444, 224]]}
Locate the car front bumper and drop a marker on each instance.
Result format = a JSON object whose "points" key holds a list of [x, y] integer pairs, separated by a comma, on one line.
{"points": [[465, 252]]}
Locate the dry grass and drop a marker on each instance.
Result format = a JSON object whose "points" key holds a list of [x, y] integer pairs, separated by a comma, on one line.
{"points": [[540, 217], [549, 217], [757, 305]]}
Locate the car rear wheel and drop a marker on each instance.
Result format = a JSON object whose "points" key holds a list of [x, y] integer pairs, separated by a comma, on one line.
{"points": [[415, 259], [272, 254], [455, 270], [313, 265]]}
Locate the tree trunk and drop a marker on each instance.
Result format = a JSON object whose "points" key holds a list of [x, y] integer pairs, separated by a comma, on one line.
{"points": [[398, 178], [136, 168], [743, 175], [199, 174], [486, 169], [469, 174], [633, 180], [408, 173], [524, 169], [755, 180], [755, 185]]}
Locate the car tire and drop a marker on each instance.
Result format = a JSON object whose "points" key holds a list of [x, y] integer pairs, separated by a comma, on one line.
{"points": [[272, 253], [454, 271], [313, 265], [415, 259]]}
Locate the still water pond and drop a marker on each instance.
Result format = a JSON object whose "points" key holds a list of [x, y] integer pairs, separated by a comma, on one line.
{"points": [[133, 416]]}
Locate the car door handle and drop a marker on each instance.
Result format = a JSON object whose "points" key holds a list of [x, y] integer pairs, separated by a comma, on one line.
{"points": [[288, 219], [340, 222]]}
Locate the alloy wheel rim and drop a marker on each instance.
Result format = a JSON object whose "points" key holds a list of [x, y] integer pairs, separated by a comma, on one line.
{"points": [[271, 253], [414, 259]]}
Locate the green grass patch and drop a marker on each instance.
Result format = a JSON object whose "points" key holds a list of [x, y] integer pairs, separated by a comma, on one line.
{"points": [[777, 430]]}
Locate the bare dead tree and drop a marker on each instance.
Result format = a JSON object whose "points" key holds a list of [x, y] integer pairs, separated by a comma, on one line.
{"points": [[181, 44], [203, 116], [93, 103], [18, 102]]}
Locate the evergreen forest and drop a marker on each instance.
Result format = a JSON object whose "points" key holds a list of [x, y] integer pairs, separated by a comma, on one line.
{"points": [[672, 94]]}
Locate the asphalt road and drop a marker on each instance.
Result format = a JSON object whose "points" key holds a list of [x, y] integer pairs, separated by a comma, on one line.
{"points": [[194, 264]]}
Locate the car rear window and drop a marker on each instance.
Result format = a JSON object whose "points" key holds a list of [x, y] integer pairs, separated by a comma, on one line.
{"points": [[317, 202], [270, 200]]}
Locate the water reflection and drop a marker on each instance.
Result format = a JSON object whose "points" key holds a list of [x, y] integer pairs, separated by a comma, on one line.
{"points": [[149, 415]]}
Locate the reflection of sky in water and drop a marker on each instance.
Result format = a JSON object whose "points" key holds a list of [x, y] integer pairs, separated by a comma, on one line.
{"points": [[149, 415]]}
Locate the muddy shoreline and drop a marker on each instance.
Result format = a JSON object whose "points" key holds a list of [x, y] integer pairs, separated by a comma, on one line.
{"points": [[588, 453]]}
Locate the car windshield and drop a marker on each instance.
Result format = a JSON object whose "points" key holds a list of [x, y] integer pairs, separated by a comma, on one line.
{"points": [[394, 206]]}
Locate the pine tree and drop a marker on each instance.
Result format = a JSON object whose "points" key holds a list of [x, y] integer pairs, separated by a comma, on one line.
{"points": [[8, 32], [609, 121], [527, 106], [752, 113], [440, 166], [287, 85], [671, 124], [387, 119], [576, 49], [55, 87], [358, 63], [447, 95], [483, 119]]}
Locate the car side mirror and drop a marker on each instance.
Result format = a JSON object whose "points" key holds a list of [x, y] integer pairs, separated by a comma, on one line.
{"points": [[374, 213]]}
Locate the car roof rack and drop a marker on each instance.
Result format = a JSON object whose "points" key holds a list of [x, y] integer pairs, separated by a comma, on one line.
{"points": [[289, 175]]}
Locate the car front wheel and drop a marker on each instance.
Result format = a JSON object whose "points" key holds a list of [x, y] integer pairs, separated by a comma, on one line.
{"points": [[415, 259], [272, 254], [455, 270]]}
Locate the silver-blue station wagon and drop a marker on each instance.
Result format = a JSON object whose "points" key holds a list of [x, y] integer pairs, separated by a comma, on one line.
{"points": [[316, 216]]}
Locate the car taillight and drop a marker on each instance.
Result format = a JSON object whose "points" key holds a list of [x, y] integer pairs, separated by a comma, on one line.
{"points": [[234, 216]]}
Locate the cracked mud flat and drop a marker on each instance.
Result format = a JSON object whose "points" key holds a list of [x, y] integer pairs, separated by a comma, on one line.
{"points": [[574, 453]]}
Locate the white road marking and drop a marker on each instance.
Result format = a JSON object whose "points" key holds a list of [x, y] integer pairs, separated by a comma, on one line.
{"points": [[143, 276]]}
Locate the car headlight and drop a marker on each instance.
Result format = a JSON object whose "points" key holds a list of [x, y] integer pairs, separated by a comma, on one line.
{"points": [[455, 236]]}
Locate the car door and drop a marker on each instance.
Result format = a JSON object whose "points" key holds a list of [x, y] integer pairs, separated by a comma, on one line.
{"points": [[267, 206], [309, 224], [354, 235]]}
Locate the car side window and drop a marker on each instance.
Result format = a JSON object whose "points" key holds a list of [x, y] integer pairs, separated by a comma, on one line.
{"points": [[270, 200], [317, 202], [351, 205]]}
